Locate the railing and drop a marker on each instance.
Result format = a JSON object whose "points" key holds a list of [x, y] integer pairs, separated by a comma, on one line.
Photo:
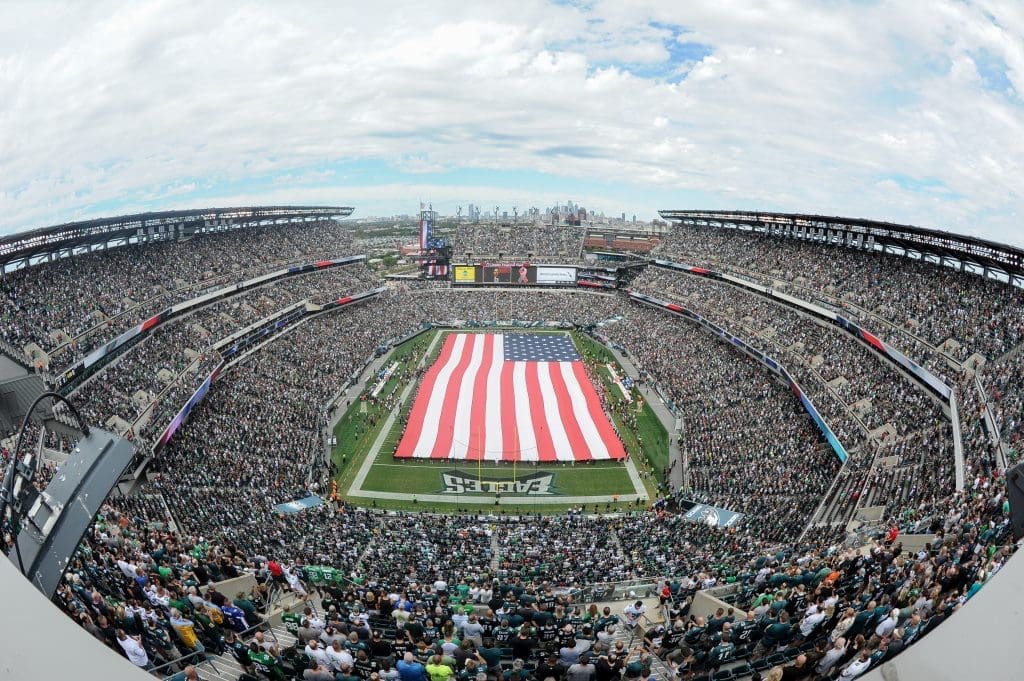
{"points": [[15, 355], [991, 425], [615, 591], [203, 286], [207, 658]]}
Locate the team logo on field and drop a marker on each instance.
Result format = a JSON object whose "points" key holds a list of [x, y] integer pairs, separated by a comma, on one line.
{"points": [[535, 484]]}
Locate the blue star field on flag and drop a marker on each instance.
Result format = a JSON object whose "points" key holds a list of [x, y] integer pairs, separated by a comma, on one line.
{"points": [[540, 347]]}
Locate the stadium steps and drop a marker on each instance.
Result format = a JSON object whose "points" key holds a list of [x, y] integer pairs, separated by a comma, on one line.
{"points": [[224, 667], [495, 552], [659, 670]]}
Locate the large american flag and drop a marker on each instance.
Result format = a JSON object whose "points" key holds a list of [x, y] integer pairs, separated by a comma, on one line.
{"points": [[508, 397]]}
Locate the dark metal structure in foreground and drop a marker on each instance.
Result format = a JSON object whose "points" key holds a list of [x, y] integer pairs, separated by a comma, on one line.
{"points": [[58, 517], [989, 259]]}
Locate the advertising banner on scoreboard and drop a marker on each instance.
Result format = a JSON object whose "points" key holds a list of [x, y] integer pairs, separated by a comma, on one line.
{"points": [[556, 275], [465, 274], [507, 274], [514, 274]]}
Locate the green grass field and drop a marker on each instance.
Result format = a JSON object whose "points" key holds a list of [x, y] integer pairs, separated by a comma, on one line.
{"points": [[649, 431], [416, 477], [362, 424]]}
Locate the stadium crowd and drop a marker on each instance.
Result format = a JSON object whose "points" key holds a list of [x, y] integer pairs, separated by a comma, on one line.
{"points": [[179, 355], [856, 392], [561, 242], [803, 598], [815, 608], [936, 315], [783, 332], [932, 302], [750, 446], [79, 303]]}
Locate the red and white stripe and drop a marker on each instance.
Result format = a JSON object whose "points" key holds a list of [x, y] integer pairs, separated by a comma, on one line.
{"points": [[473, 403]]}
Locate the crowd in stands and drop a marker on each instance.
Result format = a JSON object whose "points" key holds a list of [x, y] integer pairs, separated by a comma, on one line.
{"points": [[810, 609], [917, 306], [804, 601], [105, 293], [934, 303], [750, 445], [783, 332], [1003, 384], [854, 390], [563, 243], [179, 355]]}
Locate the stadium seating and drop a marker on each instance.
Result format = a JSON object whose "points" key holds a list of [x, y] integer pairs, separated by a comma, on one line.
{"points": [[561, 244], [207, 517]]}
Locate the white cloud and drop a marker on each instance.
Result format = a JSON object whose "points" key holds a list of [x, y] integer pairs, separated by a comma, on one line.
{"points": [[838, 108]]}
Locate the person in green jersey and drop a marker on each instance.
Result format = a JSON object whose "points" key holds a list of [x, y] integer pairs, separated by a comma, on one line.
{"points": [[292, 621], [264, 663], [437, 670]]}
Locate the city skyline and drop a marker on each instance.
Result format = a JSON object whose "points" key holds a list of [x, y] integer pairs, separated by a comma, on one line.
{"points": [[880, 110]]}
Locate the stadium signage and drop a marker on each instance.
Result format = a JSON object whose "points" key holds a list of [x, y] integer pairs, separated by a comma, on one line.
{"points": [[514, 274], [535, 484], [556, 275], [709, 515]]}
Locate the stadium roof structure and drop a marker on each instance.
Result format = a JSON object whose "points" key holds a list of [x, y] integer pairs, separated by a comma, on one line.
{"points": [[980, 256], [23, 248]]}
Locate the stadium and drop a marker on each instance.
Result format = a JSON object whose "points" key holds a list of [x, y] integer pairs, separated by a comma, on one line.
{"points": [[762, 445]]}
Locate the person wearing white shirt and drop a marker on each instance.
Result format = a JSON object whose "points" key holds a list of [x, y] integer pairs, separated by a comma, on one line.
{"points": [[886, 626], [634, 613], [127, 568], [829, 659], [359, 620], [810, 622], [315, 652], [132, 646], [857, 667], [315, 621], [337, 656], [160, 597], [295, 583]]}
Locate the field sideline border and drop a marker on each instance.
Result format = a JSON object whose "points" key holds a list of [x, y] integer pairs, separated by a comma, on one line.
{"points": [[356, 489]]}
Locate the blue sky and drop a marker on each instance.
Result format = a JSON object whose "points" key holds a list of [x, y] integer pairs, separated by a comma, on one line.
{"points": [[909, 112]]}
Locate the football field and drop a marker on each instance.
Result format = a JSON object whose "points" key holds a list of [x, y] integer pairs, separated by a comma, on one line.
{"points": [[370, 434]]}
